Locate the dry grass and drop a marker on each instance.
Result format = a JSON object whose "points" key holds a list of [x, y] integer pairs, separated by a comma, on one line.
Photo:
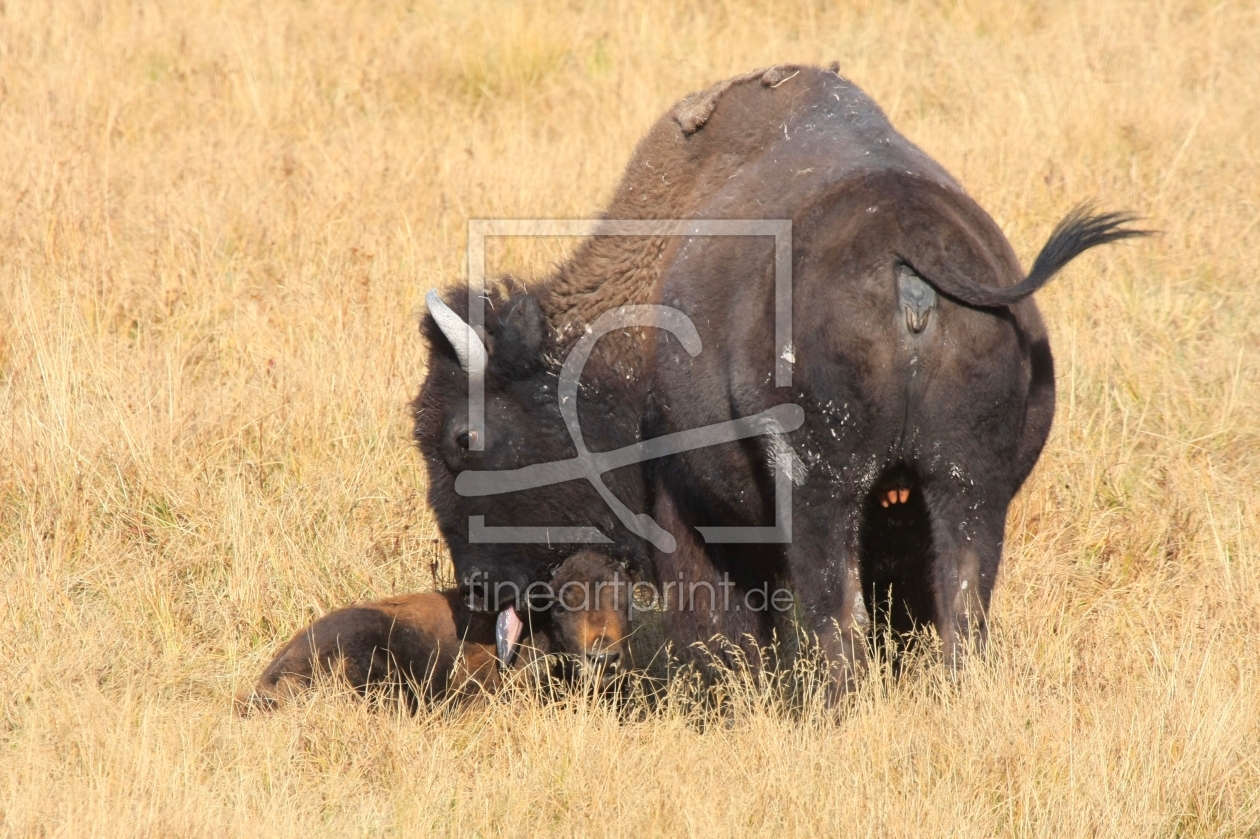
{"points": [[218, 221]]}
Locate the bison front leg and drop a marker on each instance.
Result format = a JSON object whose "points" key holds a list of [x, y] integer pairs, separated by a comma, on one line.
{"points": [[826, 577], [704, 609], [967, 532]]}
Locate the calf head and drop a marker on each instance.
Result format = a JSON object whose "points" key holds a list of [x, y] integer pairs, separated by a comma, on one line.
{"points": [[591, 614], [584, 632]]}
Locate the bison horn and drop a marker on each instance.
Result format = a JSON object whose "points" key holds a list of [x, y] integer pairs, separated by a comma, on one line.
{"points": [[507, 633], [468, 347]]}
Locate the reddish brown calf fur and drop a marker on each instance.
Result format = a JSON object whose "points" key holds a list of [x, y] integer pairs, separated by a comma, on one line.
{"points": [[431, 645]]}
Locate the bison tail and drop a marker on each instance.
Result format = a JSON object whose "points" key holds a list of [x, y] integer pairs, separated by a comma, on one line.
{"points": [[1080, 230]]}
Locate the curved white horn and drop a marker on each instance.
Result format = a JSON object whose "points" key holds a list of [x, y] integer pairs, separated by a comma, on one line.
{"points": [[468, 347]]}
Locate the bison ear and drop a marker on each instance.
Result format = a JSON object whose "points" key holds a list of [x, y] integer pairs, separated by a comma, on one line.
{"points": [[521, 336]]}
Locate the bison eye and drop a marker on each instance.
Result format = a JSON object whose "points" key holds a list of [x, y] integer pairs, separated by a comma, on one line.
{"points": [[465, 439]]}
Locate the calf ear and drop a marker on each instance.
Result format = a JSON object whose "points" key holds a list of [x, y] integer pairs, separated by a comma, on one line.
{"points": [[521, 337]]}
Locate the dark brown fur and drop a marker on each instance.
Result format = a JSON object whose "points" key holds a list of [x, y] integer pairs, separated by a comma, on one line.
{"points": [[431, 645], [669, 172], [955, 411]]}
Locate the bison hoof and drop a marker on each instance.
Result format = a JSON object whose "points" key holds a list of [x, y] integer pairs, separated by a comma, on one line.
{"points": [[894, 496]]}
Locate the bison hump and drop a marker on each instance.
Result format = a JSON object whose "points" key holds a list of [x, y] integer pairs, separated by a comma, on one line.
{"points": [[694, 111]]}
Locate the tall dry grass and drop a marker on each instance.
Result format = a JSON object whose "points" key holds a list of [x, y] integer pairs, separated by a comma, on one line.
{"points": [[218, 221]]}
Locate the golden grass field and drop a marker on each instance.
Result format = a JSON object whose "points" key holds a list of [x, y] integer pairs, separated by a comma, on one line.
{"points": [[217, 224]]}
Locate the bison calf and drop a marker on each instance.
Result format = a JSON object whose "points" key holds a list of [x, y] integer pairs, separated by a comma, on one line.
{"points": [[431, 645]]}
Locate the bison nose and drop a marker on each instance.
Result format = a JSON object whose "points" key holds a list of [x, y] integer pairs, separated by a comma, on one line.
{"points": [[476, 595], [492, 588], [603, 661]]}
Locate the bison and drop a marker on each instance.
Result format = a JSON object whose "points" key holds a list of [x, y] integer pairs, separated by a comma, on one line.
{"points": [[916, 358], [431, 645]]}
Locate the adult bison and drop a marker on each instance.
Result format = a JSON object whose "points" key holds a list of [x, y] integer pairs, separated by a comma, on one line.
{"points": [[919, 360]]}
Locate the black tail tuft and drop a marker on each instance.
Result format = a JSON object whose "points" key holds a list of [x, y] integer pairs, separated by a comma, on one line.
{"points": [[1079, 231]]}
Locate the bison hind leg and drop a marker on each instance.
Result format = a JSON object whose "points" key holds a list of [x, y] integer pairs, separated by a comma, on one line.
{"points": [[381, 676], [968, 516]]}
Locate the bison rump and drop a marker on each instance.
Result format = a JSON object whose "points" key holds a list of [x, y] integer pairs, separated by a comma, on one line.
{"points": [[926, 378]]}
